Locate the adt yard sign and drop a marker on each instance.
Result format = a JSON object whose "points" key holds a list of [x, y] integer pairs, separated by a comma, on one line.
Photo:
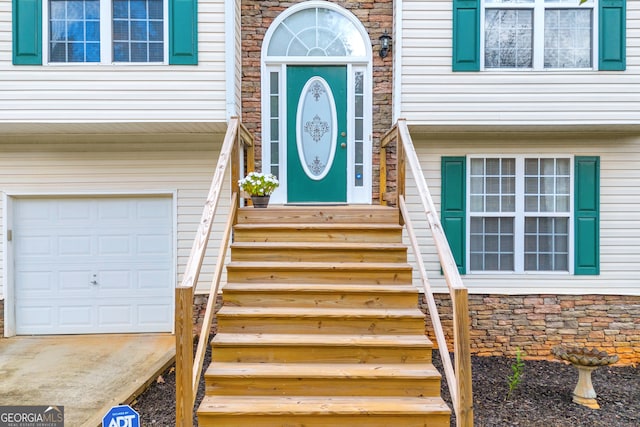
{"points": [[121, 416]]}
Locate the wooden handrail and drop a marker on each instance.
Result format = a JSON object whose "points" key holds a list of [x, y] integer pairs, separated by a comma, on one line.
{"points": [[203, 341], [431, 303], [458, 379], [188, 369]]}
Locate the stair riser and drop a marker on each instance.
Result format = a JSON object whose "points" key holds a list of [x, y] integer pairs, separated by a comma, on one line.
{"points": [[352, 215], [242, 274], [324, 300], [418, 387], [324, 420], [318, 255], [391, 235], [320, 354], [256, 325]]}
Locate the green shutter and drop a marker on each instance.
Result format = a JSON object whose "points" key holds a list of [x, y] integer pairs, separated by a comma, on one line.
{"points": [[466, 35], [183, 32], [587, 215], [612, 35], [453, 207], [27, 32]]}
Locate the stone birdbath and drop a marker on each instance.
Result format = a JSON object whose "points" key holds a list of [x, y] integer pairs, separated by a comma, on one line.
{"points": [[586, 361]]}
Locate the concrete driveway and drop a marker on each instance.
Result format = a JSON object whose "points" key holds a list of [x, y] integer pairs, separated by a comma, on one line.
{"points": [[87, 374]]}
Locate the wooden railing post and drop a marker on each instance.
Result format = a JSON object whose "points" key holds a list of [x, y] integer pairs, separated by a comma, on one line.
{"points": [[383, 174], [461, 340], [184, 356], [401, 173]]}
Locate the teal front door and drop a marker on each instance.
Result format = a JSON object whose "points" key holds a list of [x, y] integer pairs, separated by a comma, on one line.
{"points": [[316, 134]]}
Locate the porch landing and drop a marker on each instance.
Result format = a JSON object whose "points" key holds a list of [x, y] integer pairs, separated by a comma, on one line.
{"points": [[87, 374]]}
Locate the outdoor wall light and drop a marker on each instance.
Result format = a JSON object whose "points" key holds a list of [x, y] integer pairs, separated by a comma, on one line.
{"points": [[385, 44]]}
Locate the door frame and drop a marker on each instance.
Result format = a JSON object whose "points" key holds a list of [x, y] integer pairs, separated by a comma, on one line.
{"points": [[8, 206], [275, 69]]}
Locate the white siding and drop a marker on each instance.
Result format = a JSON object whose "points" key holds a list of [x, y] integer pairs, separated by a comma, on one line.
{"points": [[118, 93], [434, 95], [619, 207], [102, 168]]}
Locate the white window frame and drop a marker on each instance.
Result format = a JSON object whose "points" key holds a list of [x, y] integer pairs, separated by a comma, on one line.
{"points": [[106, 40], [539, 7], [520, 215]]}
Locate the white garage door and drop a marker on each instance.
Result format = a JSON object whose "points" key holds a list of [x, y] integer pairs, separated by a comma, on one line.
{"points": [[93, 265]]}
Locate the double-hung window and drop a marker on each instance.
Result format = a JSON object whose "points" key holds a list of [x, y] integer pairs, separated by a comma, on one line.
{"points": [[519, 211], [539, 35], [522, 214], [105, 31], [135, 32]]}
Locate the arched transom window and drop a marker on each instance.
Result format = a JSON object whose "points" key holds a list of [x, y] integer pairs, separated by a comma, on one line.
{"points": [[316, 31]]}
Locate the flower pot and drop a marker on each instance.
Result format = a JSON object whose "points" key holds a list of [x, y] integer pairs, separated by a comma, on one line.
{"points": [[260, 201]]}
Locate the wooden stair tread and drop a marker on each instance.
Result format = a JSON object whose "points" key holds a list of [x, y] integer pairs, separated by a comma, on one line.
{"points": [[310, 265], [319, 287], [313, 312], [318, 226], [323, 370], [320, 325], [321, 245], [323, 405], [326, 340]]}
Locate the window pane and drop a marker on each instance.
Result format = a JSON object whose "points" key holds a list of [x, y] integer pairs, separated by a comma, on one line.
{"points": [[477, 185], [477, 204], [121, 52], [546, 244], [73, 23], [93, 52], [156, 52], [316, 32], [138, 52], [93, 31], [492, 244], [549, 191], [508, 38], [359, 182], [493, 167], [493, 204], [562, 167], [138, 31], [492, 185], [568, 38], [477, 166], [156, 31], [121, 30]]}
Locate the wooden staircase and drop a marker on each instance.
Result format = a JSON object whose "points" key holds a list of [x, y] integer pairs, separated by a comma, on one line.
{"points": [[320, 325]]}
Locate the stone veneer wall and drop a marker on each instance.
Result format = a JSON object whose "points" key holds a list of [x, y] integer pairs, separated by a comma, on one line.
{"points": [[500, 324], [375, 15], [199, 309]]}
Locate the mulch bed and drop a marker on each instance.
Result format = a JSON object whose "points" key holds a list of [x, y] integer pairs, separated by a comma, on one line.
{"points": [[543, 398]]}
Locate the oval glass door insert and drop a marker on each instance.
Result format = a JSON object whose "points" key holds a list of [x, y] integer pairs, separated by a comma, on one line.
{"points": [[316, 128]]}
